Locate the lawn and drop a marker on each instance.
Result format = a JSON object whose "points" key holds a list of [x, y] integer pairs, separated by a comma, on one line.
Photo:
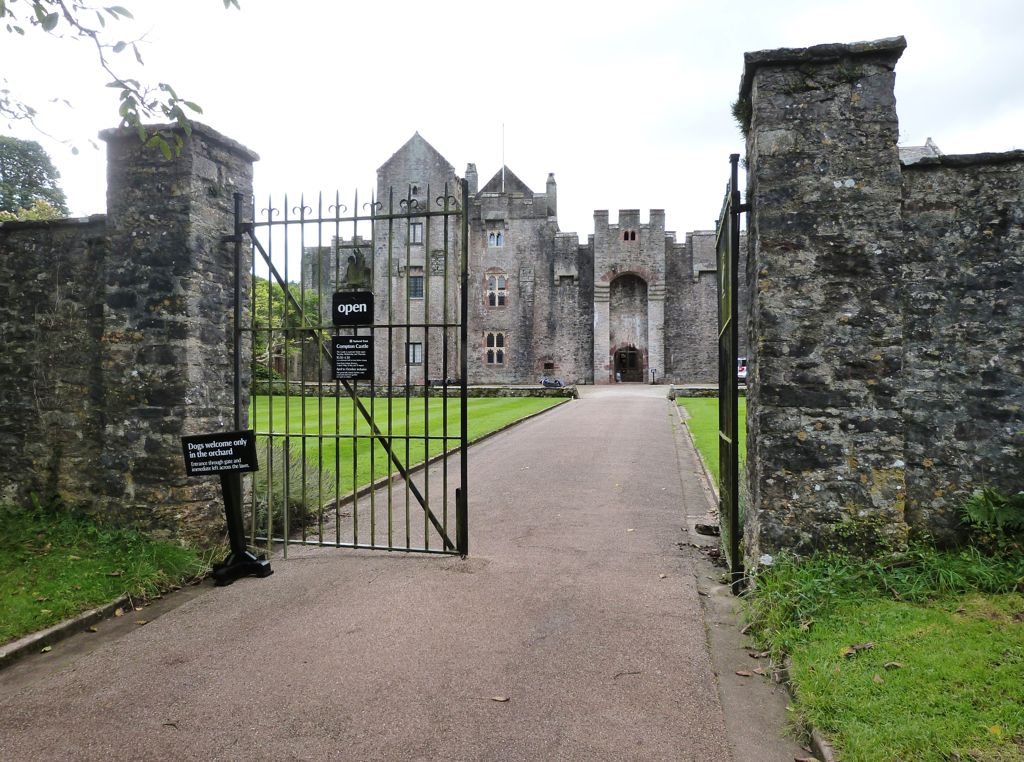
{"points": [[315, 425], [54, 565], [703, 426], [917, 654]]}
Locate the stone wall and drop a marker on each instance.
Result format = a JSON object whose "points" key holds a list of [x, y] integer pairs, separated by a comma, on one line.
{"points": [[964, 328], [117, 338], [51, 297], [691, 311], [871, 391]]}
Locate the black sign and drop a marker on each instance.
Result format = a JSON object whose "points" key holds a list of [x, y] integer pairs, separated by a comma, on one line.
{"points": [[353, 308], [353, 358], [220, 453]]}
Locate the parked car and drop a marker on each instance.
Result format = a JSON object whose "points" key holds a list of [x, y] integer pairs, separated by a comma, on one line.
{"points": [[741, 369], [551, 382]]}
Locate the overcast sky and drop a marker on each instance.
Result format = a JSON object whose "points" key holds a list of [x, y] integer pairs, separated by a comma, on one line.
{"points": [[627, 103]]}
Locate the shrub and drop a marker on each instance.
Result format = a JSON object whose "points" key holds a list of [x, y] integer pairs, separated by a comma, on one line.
{"points": [[299, 486]]}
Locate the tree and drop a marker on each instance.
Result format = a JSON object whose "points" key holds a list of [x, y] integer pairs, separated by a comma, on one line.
{"points": [[27, 176], [139, 102], [40, 210], [279, 329]]}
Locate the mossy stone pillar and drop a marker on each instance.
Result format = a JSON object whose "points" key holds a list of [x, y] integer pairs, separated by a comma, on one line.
{"points": [[167, 328]]}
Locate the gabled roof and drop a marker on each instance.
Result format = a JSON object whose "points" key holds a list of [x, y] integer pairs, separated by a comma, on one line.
{"points": [[914, 154], [418, 145], [512, 184]]}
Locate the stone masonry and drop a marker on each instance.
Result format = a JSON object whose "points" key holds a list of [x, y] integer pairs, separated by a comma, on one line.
{"points": [[117, 338], [885, 312]]}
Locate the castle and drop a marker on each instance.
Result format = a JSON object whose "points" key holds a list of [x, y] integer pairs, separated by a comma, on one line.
{"points": [[631, 304]]}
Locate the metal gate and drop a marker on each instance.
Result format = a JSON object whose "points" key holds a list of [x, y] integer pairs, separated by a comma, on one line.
{"points": [[727, 247], [356, 372]]}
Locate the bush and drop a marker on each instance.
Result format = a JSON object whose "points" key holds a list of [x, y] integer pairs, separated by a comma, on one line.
{"points": [[995, 520], [309, 487]]}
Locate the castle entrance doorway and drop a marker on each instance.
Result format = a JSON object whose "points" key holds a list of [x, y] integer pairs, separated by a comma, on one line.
{"points": [[629, 364]]}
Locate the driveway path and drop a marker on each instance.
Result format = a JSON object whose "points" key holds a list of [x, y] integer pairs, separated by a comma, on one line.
{"points": [[577, 605]]}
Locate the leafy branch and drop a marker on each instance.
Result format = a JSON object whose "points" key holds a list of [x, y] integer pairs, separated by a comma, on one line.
{"points": [[138, 102]]}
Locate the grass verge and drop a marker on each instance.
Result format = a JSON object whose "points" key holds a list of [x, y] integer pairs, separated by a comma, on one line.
{"points": [[703, 425], [917, 655], [54, 565]]}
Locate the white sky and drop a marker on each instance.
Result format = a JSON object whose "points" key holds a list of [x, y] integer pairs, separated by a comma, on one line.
{"points": [[627, 103]]}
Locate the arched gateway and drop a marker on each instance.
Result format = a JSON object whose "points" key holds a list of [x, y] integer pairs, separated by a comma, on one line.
{"points": [[627, 327]]}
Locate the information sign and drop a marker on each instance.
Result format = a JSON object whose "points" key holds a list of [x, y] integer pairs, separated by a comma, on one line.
{"points": [[353, 358], [220, 453]]}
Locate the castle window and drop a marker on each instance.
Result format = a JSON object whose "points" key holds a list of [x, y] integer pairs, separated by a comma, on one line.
{"points": [[414, 353], [415, 232], [495, 238], [415, 286], [495, 346], [497, 289], [625, 235], [632, 235]]}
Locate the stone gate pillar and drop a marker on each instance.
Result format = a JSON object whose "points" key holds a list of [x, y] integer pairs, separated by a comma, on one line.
{"points": [[655, 330], [602, 332], [825, 431], [167, 319]]}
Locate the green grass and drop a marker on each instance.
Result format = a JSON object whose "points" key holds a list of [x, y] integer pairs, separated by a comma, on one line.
{"points": [[54, 565], [944, 674], [703, 425], [339, 416]]}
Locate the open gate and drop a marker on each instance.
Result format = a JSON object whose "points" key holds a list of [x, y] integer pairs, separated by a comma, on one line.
{"points": [[355, 328], [727, 248]]}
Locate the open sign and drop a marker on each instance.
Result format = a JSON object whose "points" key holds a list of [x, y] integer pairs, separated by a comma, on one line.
{"points": [[352, 308]]}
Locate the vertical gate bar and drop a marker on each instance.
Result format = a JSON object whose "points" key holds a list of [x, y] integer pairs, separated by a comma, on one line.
{"points": [[253, 399], [444, 367], [318, 338], [355, 418], [391, 341], [373, 380], [462, 505], [270, 376], [408, 320], [287, 456], [301, 340], [734, 236], [336, 249], [369, 441], [427, 274]]}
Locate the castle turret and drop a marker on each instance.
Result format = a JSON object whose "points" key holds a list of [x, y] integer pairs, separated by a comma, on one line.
{"points": [[552, 194]]}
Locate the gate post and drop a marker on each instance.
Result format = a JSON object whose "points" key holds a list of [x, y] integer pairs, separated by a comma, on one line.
{"points": [[825, 427], [167, 336]]}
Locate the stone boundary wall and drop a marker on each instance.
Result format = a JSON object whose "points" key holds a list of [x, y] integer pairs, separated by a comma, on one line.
{"points": [[963, 363], [116, 338], [886, 302]]}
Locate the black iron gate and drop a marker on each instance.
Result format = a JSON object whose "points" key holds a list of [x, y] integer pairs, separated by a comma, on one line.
{"points": [[727, 246], [355, 324]]}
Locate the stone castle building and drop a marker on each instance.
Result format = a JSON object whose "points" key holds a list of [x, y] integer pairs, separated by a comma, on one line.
{"points": [[633, 300]]}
